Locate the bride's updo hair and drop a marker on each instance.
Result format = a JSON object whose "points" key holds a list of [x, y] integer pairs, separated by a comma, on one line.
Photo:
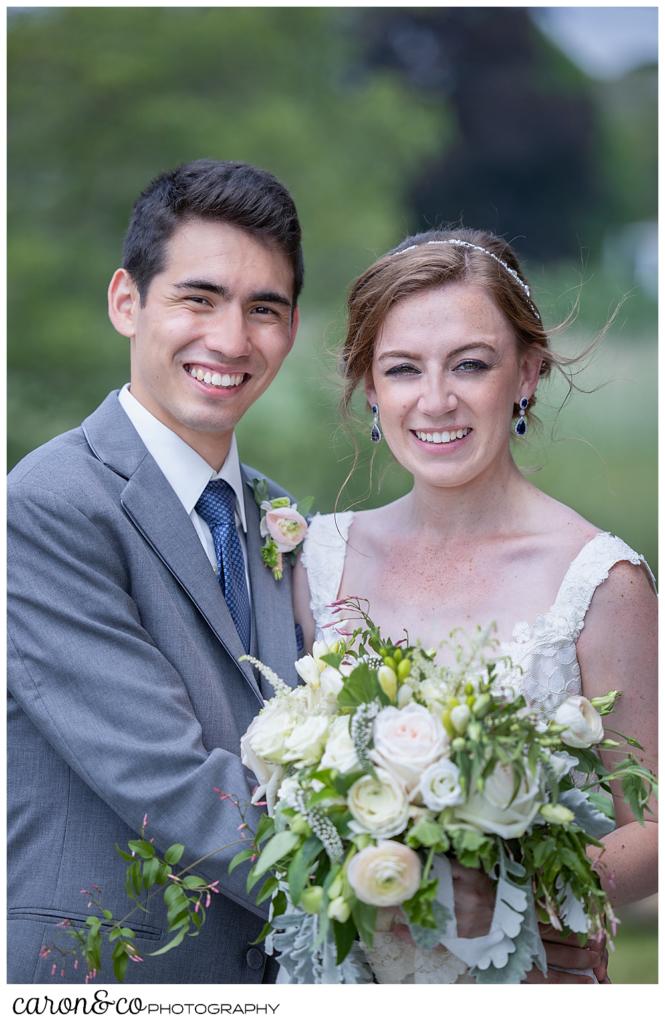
{"points": [[428, 260]]}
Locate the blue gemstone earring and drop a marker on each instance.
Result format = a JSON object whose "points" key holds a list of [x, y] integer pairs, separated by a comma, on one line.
{"points": [[375, 434], [521, 425]]}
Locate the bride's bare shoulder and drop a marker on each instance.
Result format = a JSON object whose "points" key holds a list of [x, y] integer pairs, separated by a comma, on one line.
{"points": [[374, 525], [557, 525]]}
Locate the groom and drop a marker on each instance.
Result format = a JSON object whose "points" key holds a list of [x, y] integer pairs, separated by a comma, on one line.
{"points": [[127, 693]]}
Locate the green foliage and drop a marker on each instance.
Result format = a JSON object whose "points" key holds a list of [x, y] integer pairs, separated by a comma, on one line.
{"points": [[147, 873], [360, 687], [274, 850]]}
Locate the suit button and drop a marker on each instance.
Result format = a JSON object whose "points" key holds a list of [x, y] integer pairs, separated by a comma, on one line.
{"points": [[255, 958]]}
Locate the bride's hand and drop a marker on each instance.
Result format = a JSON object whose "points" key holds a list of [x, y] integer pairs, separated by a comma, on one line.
{"points": [[565, 952]]}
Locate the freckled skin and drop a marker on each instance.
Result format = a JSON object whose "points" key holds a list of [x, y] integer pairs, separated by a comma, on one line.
{"points": [[473, 542]]}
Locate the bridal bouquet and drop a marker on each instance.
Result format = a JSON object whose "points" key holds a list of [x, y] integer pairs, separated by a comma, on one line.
{"points": [[385, 763]]}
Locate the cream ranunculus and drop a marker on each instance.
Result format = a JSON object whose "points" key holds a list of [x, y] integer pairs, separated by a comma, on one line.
{"points": [[493, 812], [379, 805], [440, 785], [384, 875], [340, 752], [286, 527], [584, 726], [305, 744], [407, 740]]}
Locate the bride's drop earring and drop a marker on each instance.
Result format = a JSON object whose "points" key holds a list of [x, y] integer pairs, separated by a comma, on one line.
{"points": [[521, 425], [375, 434]]}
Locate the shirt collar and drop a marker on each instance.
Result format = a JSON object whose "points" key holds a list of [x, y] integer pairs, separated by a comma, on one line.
{"points": [[186, 471]]}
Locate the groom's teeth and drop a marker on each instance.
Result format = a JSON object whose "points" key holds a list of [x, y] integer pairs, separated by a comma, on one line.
{"points": [[443, 437], [218, 380]]}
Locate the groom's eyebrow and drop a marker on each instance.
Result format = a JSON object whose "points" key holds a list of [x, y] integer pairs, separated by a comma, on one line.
{"points": [[219, 289], [199, 285]]}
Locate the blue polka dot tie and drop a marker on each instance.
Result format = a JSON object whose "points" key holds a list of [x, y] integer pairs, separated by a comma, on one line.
{"points": [[217, 507]]}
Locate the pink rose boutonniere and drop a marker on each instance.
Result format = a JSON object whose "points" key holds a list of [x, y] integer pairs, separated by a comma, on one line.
{"points": [[283, 525]]}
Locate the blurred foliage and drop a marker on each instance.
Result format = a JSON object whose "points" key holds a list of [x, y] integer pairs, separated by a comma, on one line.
{"points": [[635, 959], [381, 122]]}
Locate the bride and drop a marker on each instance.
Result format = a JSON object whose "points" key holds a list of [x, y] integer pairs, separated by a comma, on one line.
{"points": [[449, 347]]}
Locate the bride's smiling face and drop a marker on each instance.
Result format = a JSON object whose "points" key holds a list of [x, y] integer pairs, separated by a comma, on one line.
{"points": [[446, 372]]}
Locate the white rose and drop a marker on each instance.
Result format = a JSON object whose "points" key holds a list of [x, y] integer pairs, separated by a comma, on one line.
{"points": [[584, 724], [305, 744], [440, 785], [267, 734], [407, 740], [384, 875], [493, 812], [340, 752], [379, 805]]}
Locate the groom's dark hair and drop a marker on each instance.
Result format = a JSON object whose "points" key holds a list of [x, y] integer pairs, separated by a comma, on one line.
{"points": [[233, 193]]}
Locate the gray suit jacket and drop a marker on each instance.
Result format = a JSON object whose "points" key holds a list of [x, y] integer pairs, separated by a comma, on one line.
{"points": [[126, 698]]}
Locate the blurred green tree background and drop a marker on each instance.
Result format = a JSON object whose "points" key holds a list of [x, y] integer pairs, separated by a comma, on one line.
{"points": [[381, 121]]}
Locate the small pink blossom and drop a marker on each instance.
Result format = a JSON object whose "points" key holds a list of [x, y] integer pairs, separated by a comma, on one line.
{"points": [[145, 821], [53, 969], [44, 952], [286, 526]]}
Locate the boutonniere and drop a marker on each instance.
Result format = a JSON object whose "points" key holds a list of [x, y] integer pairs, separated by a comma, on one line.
{"points": [[283, 525]]}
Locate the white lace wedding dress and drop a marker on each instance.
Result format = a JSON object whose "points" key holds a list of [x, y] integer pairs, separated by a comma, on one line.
{"points": [[544, 649]]}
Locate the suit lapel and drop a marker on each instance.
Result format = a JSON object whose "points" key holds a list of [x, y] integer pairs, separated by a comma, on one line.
{"points": [[154, 509], [271, 599]]}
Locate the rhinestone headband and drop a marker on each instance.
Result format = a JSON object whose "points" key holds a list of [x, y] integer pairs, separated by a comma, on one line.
{"points": [[479, 248]]}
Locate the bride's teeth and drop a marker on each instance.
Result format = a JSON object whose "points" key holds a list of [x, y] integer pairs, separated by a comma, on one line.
{"points": [[207, 377], [200, 374], [192, 372], [442, 437], [216, 379]]}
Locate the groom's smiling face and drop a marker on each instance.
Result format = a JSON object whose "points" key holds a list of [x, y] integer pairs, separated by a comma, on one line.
{"points": [[214, 329]]}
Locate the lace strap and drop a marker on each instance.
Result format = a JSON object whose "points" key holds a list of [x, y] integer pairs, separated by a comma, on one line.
{"points": [[587, 571], [323, 557]]}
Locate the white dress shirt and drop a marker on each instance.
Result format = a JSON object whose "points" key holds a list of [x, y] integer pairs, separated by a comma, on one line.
{"points": [[187, 472]]}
